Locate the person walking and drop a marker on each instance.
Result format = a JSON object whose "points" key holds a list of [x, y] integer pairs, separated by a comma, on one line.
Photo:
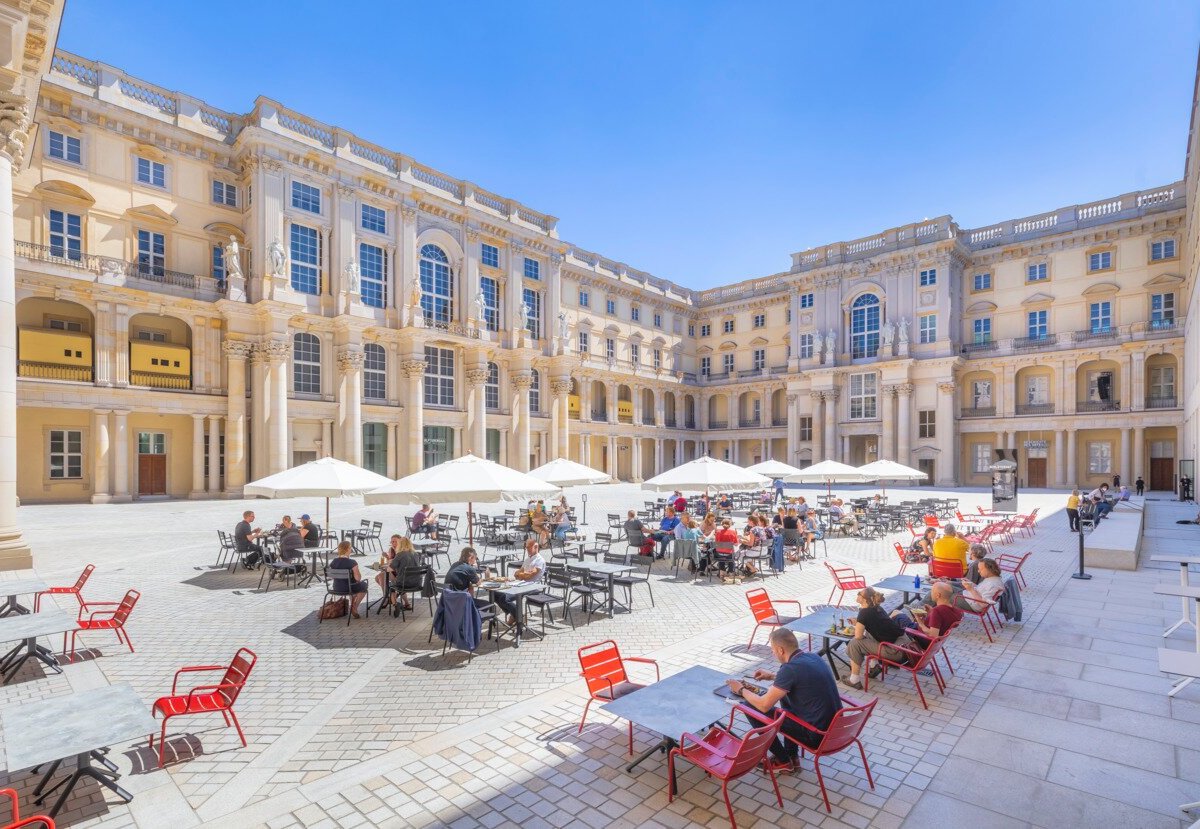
{"points": [[779, 499], [1073, 511], [1140, 485]]}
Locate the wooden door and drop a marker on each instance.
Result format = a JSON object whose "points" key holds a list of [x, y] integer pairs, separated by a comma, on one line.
{"points": [[926, 465], [1035, 473], [1162, 473], [152, 474]]}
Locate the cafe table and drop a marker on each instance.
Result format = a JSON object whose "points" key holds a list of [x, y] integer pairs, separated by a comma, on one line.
{"points": [[313, 572], [514, 590], [13, 588], [906, 585], [1183, 562], [609, 572], [25, 630], [817, 623]]}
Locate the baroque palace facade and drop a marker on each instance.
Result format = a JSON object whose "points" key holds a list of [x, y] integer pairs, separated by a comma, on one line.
{"points": [[204, 298]]}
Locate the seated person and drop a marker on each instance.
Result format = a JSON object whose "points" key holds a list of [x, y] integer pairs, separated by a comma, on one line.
{"points": [[725, 504], [921, 550], [777, 520], [726, 539], [1099, 497], [531, 570], [343, 570], [679, 504], [666, 530], [402, 572], [951, 549], [385, 561], [801, 507], [424, 522], [562, 522], [932, 620], [977, 597], [465, 574], [245, 540], [874, 631], [708, 527], [312, 532], [635, 532], [291, 543], [1124, 494], [803, 686], [978, 554]]}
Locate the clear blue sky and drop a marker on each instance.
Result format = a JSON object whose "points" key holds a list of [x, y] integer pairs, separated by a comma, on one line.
{"points": [[704, 142]]}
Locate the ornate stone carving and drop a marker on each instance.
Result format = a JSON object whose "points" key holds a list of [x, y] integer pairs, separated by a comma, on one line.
{"points": [[947, 388], [233, 259], [272, 350], [473, 233], [409, 211], [345, 191], [831, 395], [413, 368], [522, 381], [276, 259], [350, 358], [477, 376], [816, 396], [272, 165], [561, 386], [516, 245], [904, 389], [792, 398], [14, 125], [237, 349]]}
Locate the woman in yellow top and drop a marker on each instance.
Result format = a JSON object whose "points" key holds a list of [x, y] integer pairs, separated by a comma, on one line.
{"points": [[1073, 510]]}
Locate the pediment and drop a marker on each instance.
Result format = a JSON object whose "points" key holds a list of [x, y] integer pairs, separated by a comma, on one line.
{"points": [[759, 341], [151, 213], [611, 329], [1101, 288], [728, 345], [704, 349], [224, 229], [982, 307], [64, 190], [586, 322], [1164, 280], [1037, 299]]}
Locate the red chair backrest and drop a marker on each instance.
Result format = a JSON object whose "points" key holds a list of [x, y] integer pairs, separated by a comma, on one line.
{"points": [[931, 520], [236, 675], [927, 655], [84, 576], [601, 664], [760, 604], [126, 606], [900, 552], [945, 569], [845, 727], [754, 747]]}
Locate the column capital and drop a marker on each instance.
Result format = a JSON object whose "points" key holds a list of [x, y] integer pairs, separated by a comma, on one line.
{"points": [[237, 349], [350, 358], [14, 125], [413, 368], [272, 350], [477, 376], [522, 381], [904, 389], [198, 418], [947, 388], [561, 386], [816, 396], [831, 395]]}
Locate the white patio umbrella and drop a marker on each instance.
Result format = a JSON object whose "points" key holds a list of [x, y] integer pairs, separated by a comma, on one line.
{"points": [[773, 469], [469, 479], [704, 475], [830, 473], [885, 470], [323, 478], [564, 472]]}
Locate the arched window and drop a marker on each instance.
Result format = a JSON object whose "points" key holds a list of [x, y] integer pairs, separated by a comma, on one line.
{"points": [[864, 326], [535, 392], [374, 372], [437, 285], [491, 390], [306, 364]]}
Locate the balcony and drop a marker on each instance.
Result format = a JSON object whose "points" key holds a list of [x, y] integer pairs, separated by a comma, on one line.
{"points": [[457, 329], [690, 424], [1162, 328], [980, 347], [779, 369], [158, 380], [136, 274], [1160, 402], [669, 421], [54, 371], [779, 420], [1093, 406], [648, 420], [718, 424], [978, 411], [600, 417], [1038, 343], [749, 422], [1035, 408], [1104, 333], [716, 378]]}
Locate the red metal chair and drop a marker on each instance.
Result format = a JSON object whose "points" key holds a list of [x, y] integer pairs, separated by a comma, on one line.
{"points": [[604, 673], [727, 757], [765, 614], [940, 568], [63, 591], [1012, 563], [205, 699], [903, 555], [931, 520], [986, 615], [113, 620], [913, 530], [844, 578], [15, 821], [1027, 524], [844, 729], [918, 660]]}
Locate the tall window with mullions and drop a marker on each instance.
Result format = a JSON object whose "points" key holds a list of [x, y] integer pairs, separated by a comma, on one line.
{"points": [[305, 245], [374, 448], [864, 326], [437, 285], [491, 303], [374, 372], [439, 376], [66, 235], [373, 270], [533, 300]]}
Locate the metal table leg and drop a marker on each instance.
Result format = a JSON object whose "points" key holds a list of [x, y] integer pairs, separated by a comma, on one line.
{"points": [[1186, 618], [83, 768], [11, 606], [13, 661]]}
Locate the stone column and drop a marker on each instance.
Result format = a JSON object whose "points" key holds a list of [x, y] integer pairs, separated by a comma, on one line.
{"points": [[818, 426], [350, 367], [477, 377], [1123, 470], [414, 372], [561, 387], [636, 392], [613, 467], [101, 458], [121, 457], [214, 455], [1072, 461], [831, 401], [504, 447], [948, 440], [1139, 456], [887, 446], [393, 461], [327, 442], [732, 416], [102, 353], [658, 457], [585, 400], [279, 454], [260, 394], [119, 339], [765, 450], [793, 428], [904, 424], [197, 457], [236, 352], [1060, 458], [521, 382]]}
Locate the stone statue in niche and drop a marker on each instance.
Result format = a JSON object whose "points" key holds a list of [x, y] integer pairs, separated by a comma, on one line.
{"points": [[830, 344], [233, 259], [886, 334], [523, 316], [351, 274], [902, 327], [276, 259], [563, 332], [414, 296], [480, 306]]}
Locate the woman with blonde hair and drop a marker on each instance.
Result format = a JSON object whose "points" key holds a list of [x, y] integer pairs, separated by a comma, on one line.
{"points": [[345, 570]]}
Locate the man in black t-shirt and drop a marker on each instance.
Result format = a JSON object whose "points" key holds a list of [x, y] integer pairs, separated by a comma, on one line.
{"points": [[465, 574], [803, 686], [245, 540]]}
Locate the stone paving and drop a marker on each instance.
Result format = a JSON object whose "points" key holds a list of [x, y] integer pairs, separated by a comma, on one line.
{"points": [[1064, 720]]}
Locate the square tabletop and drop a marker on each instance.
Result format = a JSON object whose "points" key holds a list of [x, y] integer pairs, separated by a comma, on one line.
{"points": [[904, 583], [59, 727], [33, 625], [1186, 591], [19, 587], [682, 702], [514, 589], [419, 543], [601, 567], [817, 622], [1180, 560]]}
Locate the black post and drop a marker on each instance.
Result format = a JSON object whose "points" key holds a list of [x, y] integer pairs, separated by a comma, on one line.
{"points": [[583, 497], [1081, 574]]}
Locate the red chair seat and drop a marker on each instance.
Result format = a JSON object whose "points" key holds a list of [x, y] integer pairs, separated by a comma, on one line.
{"points": [[618, 690], [195, 704]]}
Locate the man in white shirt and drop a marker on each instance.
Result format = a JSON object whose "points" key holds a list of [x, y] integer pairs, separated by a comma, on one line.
{"points": [[532, 569]]}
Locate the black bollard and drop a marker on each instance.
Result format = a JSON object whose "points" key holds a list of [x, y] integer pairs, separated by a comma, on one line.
{"points": [[1081, 574]]}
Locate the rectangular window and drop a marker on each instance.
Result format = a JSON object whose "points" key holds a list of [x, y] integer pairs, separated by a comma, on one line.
{"points": [[760, 320], [635, 313], [152, 253], [691, 330], [66, 235], [982, 282], [374, 372], [64, 325], [373, 268], [806, 346], [306, 197], [981, 457], [374, 448], [66, 454], [534, 300], [610, 307], [928, 328], [490, 289], [150, 336], [1100, 317], [491, 389], [1038, 324], [806, 300], [151, 172], [585, 343], [982, 330], [1036, 273], [727, 326], [1162, 382], [1101, 261], [305, 259], [533, 268], [610, 349], [760, 359], [489, 255], [1037, 390], [1162, 310], [224, 193], [439, 376], [705, 330], [373, 218], [306, 364], [927, 423], [152, 443], [705, 366], [981, 394], [928, 277], [65, 147], [584, 299], [635, 354], [1099, 458], [218, 263], [727, 363], [863, 396], [657, 358], [1158, 250], [658, 320], [805, 428]]}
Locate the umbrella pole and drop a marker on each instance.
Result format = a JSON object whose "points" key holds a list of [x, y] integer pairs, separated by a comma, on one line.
{"points": [[470, 525], [327, 514]]}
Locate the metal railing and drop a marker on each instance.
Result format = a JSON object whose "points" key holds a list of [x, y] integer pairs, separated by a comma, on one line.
{"points": [[601, 417], [718, 424], [1030, 343], [156, 380], [985, 345], [978, 411], [747, 422], [201, 287], [1160, 402], [1093, 406], [54, 371], [1107, 333], [1035, 408]]}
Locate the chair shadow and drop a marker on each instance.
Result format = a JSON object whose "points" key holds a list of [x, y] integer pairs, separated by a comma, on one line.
{"points": [[178, 749], [80, 655]]}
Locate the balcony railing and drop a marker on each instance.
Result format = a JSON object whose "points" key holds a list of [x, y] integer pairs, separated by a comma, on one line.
{"points": [[1035, 408], [648, 420], [1092, 406], [978, 411], [1030, 343], [779, 369], [1161, 326], [781, 420], [985, 345], [623, 418], [54, 371], [669, 422], [690, 424], [750, 422], [202, 287], [718, 424], [457, 329], [1106, 333], [155, 380], [1160, 402], [602, 417], [717, 378]]}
